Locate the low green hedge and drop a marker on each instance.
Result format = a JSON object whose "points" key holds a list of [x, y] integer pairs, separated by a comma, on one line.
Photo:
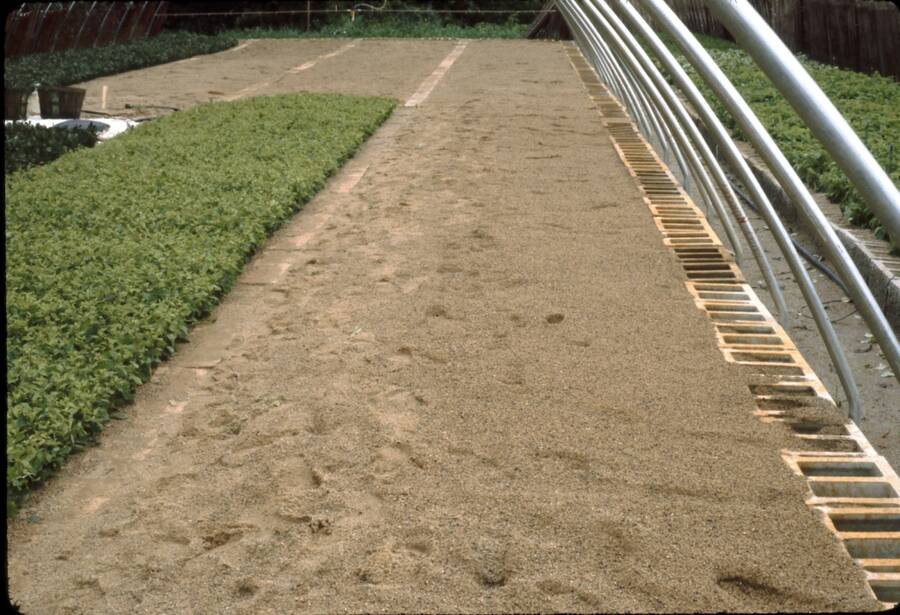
{"points": [[366, 26], [27, 145], [77, 65], [111, 253], [870, 103]]}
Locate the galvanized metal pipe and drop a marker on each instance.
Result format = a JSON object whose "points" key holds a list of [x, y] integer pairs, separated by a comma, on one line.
{"points": [[851, 390], [637, 104], [60, 27], [814, 107], [740, 167], [607, 74], [690, 167], [686, 171], [153, 19], [706, 154], [38, 27], [137, 20], [618, 47], [84, 21], [788, 180], [122, 22], [635, 98], [661, 133], [102, 23], [657, 133], [614, 79], [692, 176], [625, 89]]}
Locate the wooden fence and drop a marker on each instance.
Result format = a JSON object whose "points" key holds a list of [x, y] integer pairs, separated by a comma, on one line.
{"points": [[55, 26], [855, 34]]}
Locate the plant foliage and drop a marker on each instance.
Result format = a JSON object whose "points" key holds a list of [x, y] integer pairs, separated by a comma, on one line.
{"points": [[365, 26], [111, 253], [78, 65], [326, 15], [870, 103], [27, 145]]}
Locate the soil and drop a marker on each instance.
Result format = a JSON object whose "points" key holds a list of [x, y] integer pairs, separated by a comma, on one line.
{"points": [[392, 68], [878, 389], [466, 377]]}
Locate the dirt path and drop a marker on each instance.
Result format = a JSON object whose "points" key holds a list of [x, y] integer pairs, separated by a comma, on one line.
{"points": [[467, 377], [373, 67]]}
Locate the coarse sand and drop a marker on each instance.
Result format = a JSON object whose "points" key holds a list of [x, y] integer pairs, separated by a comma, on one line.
{"points": [[473, 381]]}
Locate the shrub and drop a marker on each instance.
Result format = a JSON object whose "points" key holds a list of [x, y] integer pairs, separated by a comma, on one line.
{"points": [[366, 26], [78, 65], [113, 252], [27, 145], [868, 102]]}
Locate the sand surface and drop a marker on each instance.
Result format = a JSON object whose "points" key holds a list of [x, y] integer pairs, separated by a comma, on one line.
{"points": [[466, 377], [880, 393]]}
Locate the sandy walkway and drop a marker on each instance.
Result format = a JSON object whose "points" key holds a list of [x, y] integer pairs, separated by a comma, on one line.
{"points": [[373, 67], [472, 381]]}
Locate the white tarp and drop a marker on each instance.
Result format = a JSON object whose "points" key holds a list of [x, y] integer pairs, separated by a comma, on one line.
{"points": [[106, 128]]}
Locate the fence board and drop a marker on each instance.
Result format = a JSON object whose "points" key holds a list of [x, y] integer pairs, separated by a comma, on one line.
{"points": [[855, 34]]}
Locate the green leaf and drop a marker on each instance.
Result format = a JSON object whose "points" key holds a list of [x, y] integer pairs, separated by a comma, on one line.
{"points": [[113, 252]]}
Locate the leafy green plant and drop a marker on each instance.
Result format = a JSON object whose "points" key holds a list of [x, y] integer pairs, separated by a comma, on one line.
{"points": [[28, 145], [112, 252], [870, 104], [77, 65], [396, 15], [366, 26]]}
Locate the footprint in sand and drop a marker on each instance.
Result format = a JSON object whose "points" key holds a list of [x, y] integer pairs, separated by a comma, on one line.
{"points": [[449, 268], [397, 410], [220, 538], [511, 376], [171, 536], [246, 588], [390, 459], [412, 285], [321, 422], [490, 560], [180, 482], [553, 587], [417, 540], [436, 311], [401, 358], [376, 567], [400, 422], [480, 233], [750, 587]]}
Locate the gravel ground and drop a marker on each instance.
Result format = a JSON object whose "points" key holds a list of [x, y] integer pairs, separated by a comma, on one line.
{"points": [[466, 377]]}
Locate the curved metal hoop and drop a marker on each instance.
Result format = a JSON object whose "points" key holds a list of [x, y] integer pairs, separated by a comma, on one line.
{"points": [[606, 29]]}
